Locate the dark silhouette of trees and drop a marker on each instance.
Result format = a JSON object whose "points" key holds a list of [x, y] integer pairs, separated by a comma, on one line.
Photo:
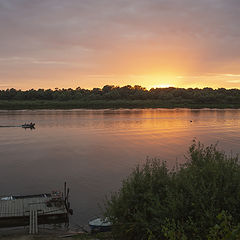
{"points": [[110, 92]]}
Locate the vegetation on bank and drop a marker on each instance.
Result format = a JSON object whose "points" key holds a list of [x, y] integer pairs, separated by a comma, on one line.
{"points": [[120, 97], [104, 104], [197, 200], [96, 236]]}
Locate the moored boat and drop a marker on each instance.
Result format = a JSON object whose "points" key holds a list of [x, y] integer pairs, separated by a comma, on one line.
{"points": [[100, 225]]}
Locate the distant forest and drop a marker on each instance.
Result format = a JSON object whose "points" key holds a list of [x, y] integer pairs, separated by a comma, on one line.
{"points": [[109, 92]]}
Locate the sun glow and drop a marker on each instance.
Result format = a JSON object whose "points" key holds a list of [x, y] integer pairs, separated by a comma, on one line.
{"points": [[162, 86]]}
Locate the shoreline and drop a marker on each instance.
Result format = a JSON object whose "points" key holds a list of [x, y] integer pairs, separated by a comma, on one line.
{"points": [[54, 235], [113, 104]]}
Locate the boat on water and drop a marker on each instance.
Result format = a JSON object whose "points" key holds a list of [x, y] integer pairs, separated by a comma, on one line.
{"points": [[100, 225], [28, 125]]}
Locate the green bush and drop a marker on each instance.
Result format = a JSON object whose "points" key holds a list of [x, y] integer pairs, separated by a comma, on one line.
{"points": [[224, 229], [157, 203]]}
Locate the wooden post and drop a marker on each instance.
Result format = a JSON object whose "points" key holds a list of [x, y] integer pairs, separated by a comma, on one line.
{"points": [[36, 222], [65, 190], [67, 202], [30, 222], [68, 193]]}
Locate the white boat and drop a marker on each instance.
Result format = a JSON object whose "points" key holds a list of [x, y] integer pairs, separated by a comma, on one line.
{"points": [[100, 225]]}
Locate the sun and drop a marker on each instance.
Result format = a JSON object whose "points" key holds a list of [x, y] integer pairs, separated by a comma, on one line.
{"points": [[161, 86], [159, 80]]}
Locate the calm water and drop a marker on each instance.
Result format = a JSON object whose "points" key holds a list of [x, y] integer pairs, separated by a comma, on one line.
{"points": [[93, 150]]}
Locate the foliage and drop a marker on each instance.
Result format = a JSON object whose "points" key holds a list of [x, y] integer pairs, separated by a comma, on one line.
{"points": [[224, 229], [170, 95], [173, 231], [157, 203]]}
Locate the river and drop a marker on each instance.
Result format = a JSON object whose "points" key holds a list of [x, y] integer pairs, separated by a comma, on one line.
{"points": [[94, 150]]}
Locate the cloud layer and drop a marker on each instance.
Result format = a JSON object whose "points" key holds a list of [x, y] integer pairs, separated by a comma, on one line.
{"points": [[69, 43]]}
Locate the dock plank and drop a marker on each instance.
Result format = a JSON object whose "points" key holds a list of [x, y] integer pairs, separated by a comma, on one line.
{"points": [[21, 207]]}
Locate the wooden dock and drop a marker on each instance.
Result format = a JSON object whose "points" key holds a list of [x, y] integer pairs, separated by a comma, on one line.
{"points": [[37, 209]]}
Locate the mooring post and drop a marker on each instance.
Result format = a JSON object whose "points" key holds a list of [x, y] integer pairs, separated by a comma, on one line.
{"points": [[68, 193], [65, 190]]}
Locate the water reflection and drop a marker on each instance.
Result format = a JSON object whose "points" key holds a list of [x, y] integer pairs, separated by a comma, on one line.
{"points": [[93, 150]]}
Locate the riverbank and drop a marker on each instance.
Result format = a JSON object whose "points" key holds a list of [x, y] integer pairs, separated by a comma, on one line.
{"points": [[104, 104], [80, 236], [45, 234]]}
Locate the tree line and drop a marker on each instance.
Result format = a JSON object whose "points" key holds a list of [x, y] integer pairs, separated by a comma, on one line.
{"points": [[110, 92]]}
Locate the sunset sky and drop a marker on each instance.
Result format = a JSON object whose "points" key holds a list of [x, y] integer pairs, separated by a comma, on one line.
{"points": [[92, 43]]}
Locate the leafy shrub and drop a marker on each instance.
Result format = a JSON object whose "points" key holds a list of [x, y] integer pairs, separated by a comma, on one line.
{"points": [[157, 203], [224, 229]]}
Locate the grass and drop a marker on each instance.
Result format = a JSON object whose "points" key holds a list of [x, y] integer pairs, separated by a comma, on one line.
{"points": [[104, 104]]}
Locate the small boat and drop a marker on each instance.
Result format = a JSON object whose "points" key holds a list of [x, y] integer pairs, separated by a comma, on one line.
{"points": [[28, 125], [100, 225]]}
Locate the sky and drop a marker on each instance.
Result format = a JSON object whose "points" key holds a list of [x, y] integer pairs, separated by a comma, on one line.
{"points": [[92, 43]]}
